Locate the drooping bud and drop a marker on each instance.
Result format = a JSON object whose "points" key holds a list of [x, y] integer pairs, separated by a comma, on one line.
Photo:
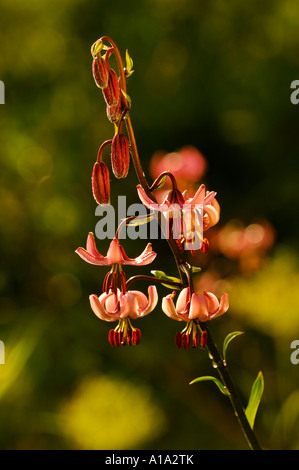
{"points": [[112, 92], [101, 183], [120, 155], [100, 71], [114, 112]]}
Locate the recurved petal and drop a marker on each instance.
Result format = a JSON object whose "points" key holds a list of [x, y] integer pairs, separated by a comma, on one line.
{"points": [[209, 197], [146, 257], [98, 309], [92, 248], [152, 301], [212, 303], [169, 308], [146, 201], [198, 197], [89, 258], [223, 307], [211, 216]]}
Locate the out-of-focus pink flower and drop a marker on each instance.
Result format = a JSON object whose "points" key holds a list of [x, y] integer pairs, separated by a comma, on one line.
{"points": [[123, 306], [234, 239], [195, 307], [188, 165], [115, 255]]}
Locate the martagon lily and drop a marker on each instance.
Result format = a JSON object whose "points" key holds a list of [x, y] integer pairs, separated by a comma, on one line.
{"points": [[189, 216], [193, 308], [115, 304], [123, 306]]}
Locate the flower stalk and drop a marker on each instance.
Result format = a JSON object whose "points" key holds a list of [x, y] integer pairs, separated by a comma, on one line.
{"points": [[113, 304]]}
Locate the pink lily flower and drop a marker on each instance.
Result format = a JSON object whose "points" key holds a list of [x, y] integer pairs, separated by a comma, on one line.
{"points": [[122, 306], [115, 255], [189, 308], [175, 200], [132, 304], [199, 307]]}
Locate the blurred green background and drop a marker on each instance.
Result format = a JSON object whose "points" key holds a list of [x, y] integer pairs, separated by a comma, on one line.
{"points": [[214, 75]]}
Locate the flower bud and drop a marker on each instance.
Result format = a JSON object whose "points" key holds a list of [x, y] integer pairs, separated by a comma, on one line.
{"points": [[120, 155], [101, 183], [112, 92], [114, 112], [100, 71]]}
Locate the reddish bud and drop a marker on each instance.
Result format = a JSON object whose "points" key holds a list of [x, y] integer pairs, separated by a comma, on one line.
{"points": [[101, 183], [100, 71], [114, 112], [112, 92], [120, 155], [203, 339]]}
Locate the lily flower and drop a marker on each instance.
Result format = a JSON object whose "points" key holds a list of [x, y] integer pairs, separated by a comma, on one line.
{"points": [[187, 217], [115, 254], [123, 306], [198, 307], [193, 309]]}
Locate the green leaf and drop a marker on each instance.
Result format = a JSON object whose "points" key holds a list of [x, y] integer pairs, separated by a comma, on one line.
{"points": [[255, 398], [163, 276], [196, 269], [219, 384], [140, 220], [228, 339], [96, 48], [160, 184], [129, 61], [129, 101], [129, 64]]}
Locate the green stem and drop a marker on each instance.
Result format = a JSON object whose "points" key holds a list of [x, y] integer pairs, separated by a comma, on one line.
{"points": [[227, 381]]}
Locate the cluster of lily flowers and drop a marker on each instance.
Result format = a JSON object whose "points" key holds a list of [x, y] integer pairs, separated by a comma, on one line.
{"points": [[116, 303]]}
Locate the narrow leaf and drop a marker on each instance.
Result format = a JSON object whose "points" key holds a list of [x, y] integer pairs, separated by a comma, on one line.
{"points": [[160, 184], [140, 220], [129, 61], [96, 48], [255, 398], [228, 339], [129, 101], [213, 379], [196, 269]]}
